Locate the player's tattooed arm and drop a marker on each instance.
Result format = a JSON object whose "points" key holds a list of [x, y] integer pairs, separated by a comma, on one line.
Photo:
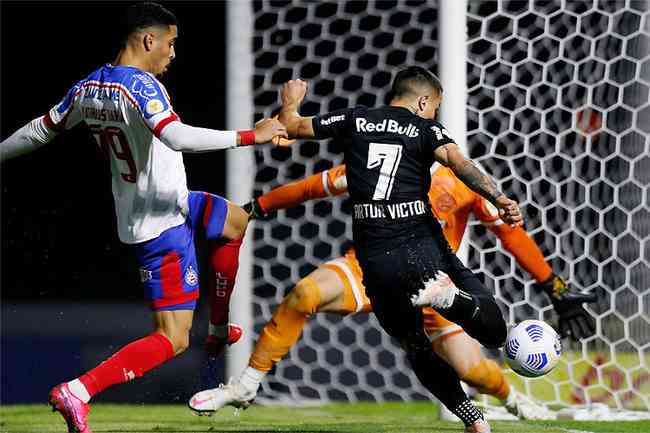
{"points": [[293, 92], [466, 170], [473, 176]]}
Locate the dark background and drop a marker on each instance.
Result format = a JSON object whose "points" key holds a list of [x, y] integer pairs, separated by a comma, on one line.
{"points": [[71, 294], [59, 235]]}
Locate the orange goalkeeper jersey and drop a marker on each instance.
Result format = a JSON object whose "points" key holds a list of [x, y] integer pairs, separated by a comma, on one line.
{"points": [[452, 203]]}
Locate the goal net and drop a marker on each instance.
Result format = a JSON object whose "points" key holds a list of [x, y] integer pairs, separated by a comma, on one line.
{"points": [[557, 112]]}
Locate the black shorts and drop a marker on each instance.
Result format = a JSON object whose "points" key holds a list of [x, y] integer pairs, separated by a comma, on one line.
{"points": [[392, 276]]}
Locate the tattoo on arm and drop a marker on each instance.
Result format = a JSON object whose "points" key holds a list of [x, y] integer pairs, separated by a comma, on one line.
{"points": [[478, 181]]}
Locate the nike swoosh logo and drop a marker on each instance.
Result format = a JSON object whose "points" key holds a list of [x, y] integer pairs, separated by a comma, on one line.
{"points": [[196, 401]]}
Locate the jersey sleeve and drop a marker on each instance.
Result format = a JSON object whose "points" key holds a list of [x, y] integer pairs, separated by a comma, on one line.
{"points": [[334, 180], [436, 135], [524, 249], [330, 182], [485, 211], [66, 113], [333, 124], [153, 102]]}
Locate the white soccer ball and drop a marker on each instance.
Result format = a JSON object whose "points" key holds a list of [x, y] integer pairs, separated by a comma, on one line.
{"points": [[532, 348]]}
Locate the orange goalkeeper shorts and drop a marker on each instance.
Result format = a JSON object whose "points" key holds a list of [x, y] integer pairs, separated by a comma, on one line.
{"points": [[355, 299]]}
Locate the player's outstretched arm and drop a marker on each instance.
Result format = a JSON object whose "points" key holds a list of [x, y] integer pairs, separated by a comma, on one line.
{"points": [[466, 170], [524, 249], [185, 138], [327, 183], [574, 320], [293, 92], [267, 131], [26, 139]]}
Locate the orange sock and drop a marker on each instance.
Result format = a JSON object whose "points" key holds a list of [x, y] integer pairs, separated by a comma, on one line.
{"points": [[285, 327], [487, 378]]}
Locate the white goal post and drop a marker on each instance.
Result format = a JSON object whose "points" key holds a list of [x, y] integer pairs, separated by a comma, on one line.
{"points": [[556, 106]]}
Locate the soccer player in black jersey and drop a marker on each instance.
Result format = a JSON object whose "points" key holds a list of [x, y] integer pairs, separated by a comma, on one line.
{"points": [[406, 260]]}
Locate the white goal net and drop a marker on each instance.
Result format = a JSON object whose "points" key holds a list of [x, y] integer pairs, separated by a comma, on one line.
{"points": [[557, 111]]}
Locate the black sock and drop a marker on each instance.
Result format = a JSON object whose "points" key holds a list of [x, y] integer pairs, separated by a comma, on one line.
{"points": [[467, 412], [480, 317], [465, 307]]}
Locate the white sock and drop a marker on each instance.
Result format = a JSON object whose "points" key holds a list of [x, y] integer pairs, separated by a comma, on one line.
{"points": [[251, 378], [511, 399], [79, 390]]}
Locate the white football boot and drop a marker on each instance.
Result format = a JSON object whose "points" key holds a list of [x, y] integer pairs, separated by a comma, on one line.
{"points": [[206, 403], [438, 292], [525, 408]]}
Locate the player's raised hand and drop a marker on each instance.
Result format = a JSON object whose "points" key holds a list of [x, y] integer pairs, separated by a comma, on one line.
{"points": [[281, 141], [574, 320], [509, 211], [255, 210], [268, 130], [293, 92]]}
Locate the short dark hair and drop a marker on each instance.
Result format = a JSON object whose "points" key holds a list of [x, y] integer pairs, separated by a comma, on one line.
{"points": [[408, 79], [142, 15]]}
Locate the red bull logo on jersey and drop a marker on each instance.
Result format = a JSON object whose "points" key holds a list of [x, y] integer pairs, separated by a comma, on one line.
{"points": [[387, 125]]}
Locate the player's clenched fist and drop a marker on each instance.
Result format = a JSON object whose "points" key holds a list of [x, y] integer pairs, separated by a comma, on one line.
{"points": [[267, 130], [293, 92], [509, 211]]}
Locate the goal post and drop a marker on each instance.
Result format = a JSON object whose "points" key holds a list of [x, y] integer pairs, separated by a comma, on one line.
{"points": [[240, 169], [556, 108]]}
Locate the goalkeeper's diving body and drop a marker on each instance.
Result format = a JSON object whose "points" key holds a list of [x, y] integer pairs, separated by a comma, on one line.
{"points": [[337, 287], [406, 261]]}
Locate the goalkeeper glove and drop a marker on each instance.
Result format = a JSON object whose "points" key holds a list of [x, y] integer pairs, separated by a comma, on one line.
{"points": [[575, 321], [255, 211]]}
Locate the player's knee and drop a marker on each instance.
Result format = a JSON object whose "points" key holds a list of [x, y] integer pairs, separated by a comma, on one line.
{"points": [[236, 222], [305, 297], [180, 342], [239, 222]]}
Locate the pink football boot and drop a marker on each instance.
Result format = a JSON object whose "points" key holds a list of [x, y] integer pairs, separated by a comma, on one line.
{"points": [[73, 410]]}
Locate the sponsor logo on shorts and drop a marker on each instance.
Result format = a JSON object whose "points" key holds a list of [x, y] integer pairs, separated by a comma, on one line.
{"points": [[191, 277], [145, 275]]}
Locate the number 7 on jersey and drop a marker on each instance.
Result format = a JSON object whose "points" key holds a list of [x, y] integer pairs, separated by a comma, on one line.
{"points": [[387, 157]]}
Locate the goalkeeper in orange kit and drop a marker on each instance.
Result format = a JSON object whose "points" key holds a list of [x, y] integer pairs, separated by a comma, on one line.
{"points": [[336, 287]]}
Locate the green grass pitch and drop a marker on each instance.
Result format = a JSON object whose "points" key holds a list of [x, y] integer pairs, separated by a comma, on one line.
{"points": [[348, 418]]}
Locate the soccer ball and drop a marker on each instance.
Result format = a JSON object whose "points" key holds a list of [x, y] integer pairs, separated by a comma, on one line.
{"points": [[532, 348]]}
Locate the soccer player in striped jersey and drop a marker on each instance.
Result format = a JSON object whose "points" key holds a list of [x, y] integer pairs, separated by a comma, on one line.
{"points": [[336, 287], [130, 114]]}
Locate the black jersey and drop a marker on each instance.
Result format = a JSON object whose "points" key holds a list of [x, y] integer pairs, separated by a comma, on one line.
{"points": [[388, 157]]}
